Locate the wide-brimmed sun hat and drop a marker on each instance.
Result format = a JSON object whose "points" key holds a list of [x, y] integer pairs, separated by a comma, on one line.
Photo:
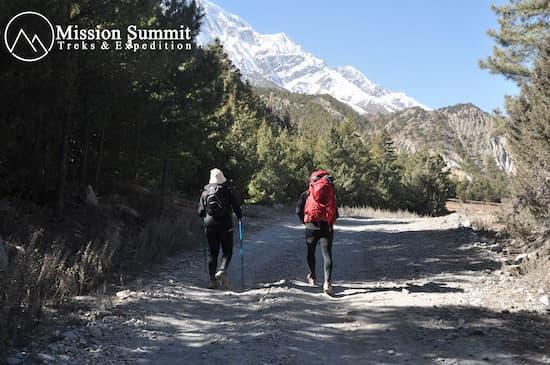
{"points": [[217, 177]]}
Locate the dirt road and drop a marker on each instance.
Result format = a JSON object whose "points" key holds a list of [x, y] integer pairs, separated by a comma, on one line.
{"points": [[407, 291]]}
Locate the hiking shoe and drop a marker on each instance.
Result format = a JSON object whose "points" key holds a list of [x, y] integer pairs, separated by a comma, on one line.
{"points": [[327, 288], [212, 284], [223, 281], [310, 279]]}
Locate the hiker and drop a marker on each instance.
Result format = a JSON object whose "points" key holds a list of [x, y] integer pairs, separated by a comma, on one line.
{"points": [[317, 210], [215, 207]]}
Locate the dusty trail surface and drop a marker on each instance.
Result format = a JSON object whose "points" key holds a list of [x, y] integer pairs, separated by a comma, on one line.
{"points": [[407, 291]]}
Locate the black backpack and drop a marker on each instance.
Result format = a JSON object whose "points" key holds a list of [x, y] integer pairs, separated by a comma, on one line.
{"points": [[216, 205]]}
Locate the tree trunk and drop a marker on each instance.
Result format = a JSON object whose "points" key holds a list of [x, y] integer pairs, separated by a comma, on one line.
{"points": [[85, 150], [100, 154], [137, 154], [164, 183], [38, 157], [64, 147], [62, 168]]}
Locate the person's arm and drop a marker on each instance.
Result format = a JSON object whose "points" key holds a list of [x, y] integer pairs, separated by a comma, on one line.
{"points": [[300, 206], [201, 211], [236, 205]]}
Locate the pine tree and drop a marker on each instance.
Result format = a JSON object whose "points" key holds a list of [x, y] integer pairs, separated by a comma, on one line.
{"points": [[267, 185], [523, 28], [530, 132], [344, 153], [388, 175], [426, 183]]}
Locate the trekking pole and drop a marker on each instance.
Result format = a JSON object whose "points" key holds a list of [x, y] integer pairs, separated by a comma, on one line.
{"points": [[204, 243], [241, 238]]}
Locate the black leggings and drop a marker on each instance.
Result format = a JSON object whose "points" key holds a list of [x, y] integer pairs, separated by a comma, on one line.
{"points": [[217, 236], [313, 237]]}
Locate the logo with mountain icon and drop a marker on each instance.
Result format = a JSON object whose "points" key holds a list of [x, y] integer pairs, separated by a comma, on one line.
{"points": [[29, 36]]}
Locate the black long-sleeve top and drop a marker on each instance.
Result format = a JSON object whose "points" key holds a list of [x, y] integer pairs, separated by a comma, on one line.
{"points": [[300, 206], [228, 199]]}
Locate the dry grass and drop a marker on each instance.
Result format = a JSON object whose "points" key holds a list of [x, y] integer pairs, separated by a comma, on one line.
{"points": [[518, 224], [74, 258], [40, 275], [369, 212], [482, 224], [484, 217], [162, 236], [537, 268]]}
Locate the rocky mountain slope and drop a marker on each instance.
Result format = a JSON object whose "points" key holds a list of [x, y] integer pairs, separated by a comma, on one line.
{"points": [[308, 112], [467, 137], [274, 59]]}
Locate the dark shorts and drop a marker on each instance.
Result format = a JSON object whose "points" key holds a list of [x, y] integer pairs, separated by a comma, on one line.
{"points": [[319, 230]]}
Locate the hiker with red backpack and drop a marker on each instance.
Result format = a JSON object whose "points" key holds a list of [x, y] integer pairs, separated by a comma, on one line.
{"points": [[216, 206], [317, 210]]}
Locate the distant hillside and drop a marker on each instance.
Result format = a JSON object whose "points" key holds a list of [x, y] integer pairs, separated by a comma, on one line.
{"points": [[309, 112], [466, 136]]}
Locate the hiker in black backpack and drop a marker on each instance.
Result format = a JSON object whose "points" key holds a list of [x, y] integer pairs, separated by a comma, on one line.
{"points": [[215, 207]]}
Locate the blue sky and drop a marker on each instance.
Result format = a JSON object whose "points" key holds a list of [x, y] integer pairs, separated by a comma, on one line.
{"points": [[428, 49]]}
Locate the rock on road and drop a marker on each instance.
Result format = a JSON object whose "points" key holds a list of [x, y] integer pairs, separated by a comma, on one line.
{"points": [[407, 291]]}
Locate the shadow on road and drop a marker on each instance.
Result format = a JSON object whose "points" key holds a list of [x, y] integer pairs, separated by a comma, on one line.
{"points": [[289, 322], [431, 287], [356, 221], [406, 255], [305, 328]]}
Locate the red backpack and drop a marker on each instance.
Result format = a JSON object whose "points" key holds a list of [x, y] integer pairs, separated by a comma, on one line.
{"points": [[321, 199]]}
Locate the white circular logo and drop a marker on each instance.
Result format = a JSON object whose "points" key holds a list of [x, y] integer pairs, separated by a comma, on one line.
{"points": [[29, 36]]}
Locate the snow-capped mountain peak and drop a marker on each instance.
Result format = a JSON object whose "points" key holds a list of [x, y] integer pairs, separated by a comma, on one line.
{"points": [[276, 59], [357, 78]]}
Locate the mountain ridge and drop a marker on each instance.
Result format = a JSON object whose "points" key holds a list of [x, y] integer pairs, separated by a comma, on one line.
{"points": [[279, 60], [465, 135]]}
